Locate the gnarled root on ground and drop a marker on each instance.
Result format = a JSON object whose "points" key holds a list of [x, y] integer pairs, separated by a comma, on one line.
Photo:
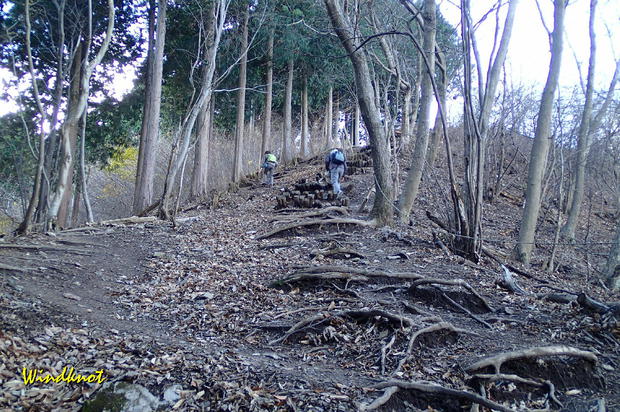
{"points": [[329, 272], [393, 386], [539, 351], [317, 222], [314, 320]]}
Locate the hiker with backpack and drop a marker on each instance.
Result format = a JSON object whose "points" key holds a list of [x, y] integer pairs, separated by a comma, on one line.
{"points": [[269, 163], [336, 165]]}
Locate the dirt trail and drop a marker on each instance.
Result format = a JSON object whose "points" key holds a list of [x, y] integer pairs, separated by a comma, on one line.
{"points": [[195, 305]]}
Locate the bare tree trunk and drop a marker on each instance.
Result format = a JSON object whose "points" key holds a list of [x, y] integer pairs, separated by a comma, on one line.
{"points": [[405, 120], [76, 111], [304, 119], [382, 207], [201, 154], [612, 269], [540, 148], [287, 138], [356, 125], [419, 154], [266, 139], [442, 86], [83, 183], [149, 133], [219, 11], [243, 67], [586, 127], [336, 123], [72, 132], [415, 105], [329, 117]]}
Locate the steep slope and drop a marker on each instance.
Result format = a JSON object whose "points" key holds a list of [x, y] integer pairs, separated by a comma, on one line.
{"points": [[232, 314]]}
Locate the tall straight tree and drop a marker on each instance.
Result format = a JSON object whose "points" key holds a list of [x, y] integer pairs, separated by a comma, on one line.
{"points": [[201, 152], [304, 118], [266, 138], [612, 268], [351, 41], [149, 133], [216, 23], [587, 127], [287, 138], [540, 147], [419, 153], [239, 127]]}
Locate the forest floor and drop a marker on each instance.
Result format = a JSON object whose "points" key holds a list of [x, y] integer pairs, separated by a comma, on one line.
{"points": [[219, 313]]}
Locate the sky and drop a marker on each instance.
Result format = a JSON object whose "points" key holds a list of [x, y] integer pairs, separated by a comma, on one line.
{"points": [[529, 53]]}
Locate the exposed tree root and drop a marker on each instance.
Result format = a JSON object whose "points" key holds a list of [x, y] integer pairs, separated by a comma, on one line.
{"points": [[392, 386], [301, 276], [129, 220], [318, 222], [506, 281], [384, 351], [591, 304], [555, 350], [452, 282], [69, 249], [338, 251], [400, 321], [15, 269], [433, 328], [464, 309], [321, 212], [277, 246], [346, 270], [516, 378]]}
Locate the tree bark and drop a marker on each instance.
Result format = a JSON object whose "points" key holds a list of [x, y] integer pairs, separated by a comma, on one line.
{"points": [[287, 138], [583, 136], [201, 154], [243, 67], [356, 125], [329, 117], [266, 139], [149, 133], [304, 119], [540, 147], [219, 11], [382, 207], [76, 111], [442, 86], [419, 154], [336, 142], [612, 269], [72, 132]]}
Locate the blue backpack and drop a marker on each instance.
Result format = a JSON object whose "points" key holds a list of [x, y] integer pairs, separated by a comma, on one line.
{"points": [[337, 157]]}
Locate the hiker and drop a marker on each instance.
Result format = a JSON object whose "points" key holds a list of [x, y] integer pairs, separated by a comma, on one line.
{"points": [[269, 163], [336, 165]]}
